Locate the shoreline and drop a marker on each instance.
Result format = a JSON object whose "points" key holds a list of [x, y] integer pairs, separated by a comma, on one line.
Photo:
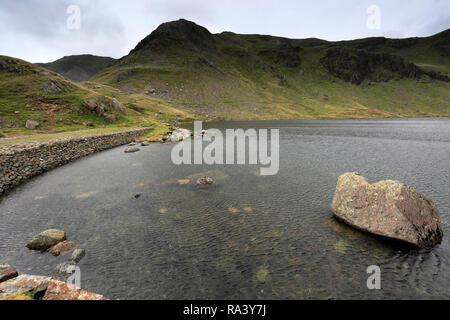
{"points": [[21, 162]]}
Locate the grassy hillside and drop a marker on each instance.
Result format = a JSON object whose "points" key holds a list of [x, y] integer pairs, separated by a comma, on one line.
{"points": [[181, 71], [79, 68], [29, 92], [263, 77]]}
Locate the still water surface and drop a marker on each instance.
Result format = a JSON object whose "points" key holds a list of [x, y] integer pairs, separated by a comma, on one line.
{"points": [[247, 237]]}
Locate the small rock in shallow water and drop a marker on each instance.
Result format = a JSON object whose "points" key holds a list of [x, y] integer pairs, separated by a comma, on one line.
{"points": [[145, 144], [47, 239], [7, 272], [62, 248], [77, 255], [204, 181], [131, 149], [57, 290]]}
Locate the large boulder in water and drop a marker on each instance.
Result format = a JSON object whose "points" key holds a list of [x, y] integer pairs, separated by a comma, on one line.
{"points": [[387, 208]]}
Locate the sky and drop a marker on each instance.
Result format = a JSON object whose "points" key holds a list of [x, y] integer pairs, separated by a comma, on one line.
{"points": [[46, 30]]}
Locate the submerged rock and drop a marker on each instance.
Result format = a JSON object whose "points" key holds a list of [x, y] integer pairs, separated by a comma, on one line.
{"points": [[7, 272], [387, 208], [27, 287], [47, 239], [23, 286], [205, 181], [64, 270], [132, 149], [180, 135]]}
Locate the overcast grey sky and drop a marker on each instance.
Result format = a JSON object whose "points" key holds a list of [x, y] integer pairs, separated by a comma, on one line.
{"points": [[37, 30]]}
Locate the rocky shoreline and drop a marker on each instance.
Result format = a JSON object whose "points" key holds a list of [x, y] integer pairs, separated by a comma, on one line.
{"points": [[20, 162], [29, 287], [62, 285]]}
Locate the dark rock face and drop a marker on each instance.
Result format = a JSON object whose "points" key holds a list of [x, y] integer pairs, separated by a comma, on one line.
{"points": [[387, 208], [7, 272], [47, 239], [32, 125], [355, 66], [180, 33], [56, 86]]}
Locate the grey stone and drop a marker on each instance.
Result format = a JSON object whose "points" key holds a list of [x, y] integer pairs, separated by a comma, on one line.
{"points": [[387, 208], [32, 125], [77, 255]]}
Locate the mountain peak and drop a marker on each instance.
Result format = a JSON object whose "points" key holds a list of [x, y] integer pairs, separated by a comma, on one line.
{"points": [[181, 33]]}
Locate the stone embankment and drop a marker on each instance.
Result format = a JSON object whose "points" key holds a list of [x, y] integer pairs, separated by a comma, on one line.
{"points": [[20, 162]]}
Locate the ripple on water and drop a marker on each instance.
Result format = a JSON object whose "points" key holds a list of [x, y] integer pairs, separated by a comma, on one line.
{"points": [[150, 233]]}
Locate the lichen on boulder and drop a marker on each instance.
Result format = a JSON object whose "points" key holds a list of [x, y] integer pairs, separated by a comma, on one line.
{"points": [[387, 208]]}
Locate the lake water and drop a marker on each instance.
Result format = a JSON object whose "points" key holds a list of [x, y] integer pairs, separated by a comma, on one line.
{"points": [[248, 236]]}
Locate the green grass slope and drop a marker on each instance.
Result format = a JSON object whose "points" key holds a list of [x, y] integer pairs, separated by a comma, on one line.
{"points": [[235, 76], [30, 92], [80, 67]]}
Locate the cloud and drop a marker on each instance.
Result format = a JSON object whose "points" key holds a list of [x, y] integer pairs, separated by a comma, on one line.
{"points": [[36, 30]]}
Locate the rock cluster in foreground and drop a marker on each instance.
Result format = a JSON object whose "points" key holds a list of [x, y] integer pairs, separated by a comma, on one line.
{"points": [[387, 208], [27, 287]]}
